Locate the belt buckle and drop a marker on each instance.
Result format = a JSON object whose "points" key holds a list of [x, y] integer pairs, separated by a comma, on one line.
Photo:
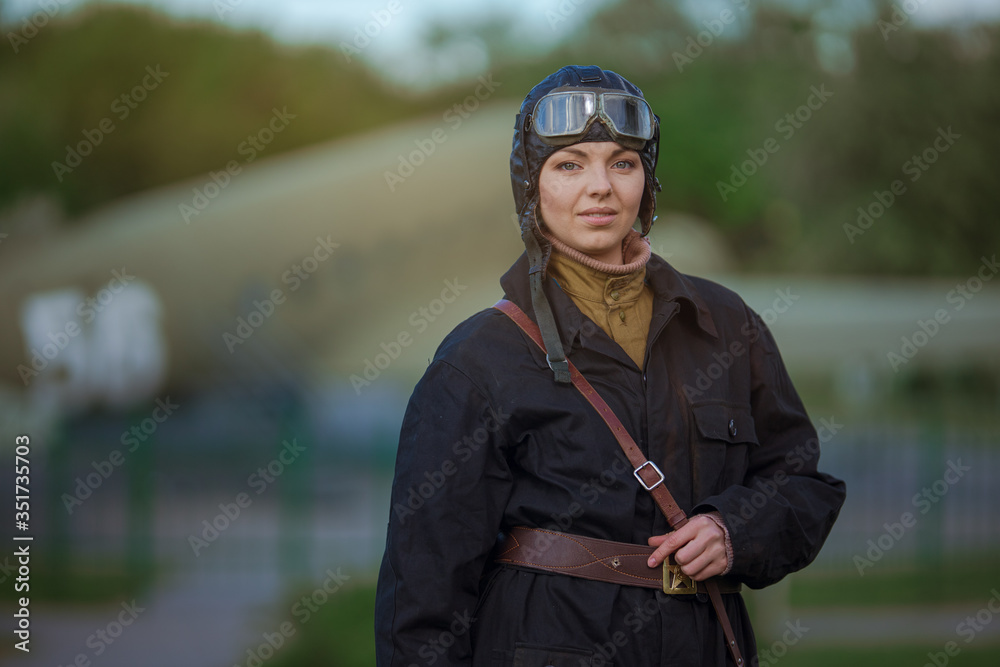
{"points": [[676, 582]]}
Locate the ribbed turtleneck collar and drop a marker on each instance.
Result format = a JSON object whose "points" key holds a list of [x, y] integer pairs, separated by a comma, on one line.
{"points": [[635, 254], [610, 284]]}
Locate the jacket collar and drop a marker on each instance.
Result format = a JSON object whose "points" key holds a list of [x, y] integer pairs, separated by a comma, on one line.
{"points": [[672, 291]]}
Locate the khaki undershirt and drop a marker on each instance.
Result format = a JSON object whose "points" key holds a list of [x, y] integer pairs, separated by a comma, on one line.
{"points": [[621, 305]]}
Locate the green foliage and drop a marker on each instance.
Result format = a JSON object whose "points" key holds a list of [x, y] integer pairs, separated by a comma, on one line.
{"points": [[795, 212], [218, 88], [718, 101], [956, 583], [879, 656], [88, 583], [340, 634]]}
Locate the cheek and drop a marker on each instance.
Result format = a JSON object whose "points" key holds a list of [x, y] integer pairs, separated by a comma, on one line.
{"points": [[633, 191], [552, 195]]}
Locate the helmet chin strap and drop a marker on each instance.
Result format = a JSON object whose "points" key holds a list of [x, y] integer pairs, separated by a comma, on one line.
{"points": [[556, 356]]}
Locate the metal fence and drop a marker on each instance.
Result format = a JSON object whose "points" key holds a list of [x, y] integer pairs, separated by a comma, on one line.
{"points": [[917, 494], [269, 495], [260, 496]]}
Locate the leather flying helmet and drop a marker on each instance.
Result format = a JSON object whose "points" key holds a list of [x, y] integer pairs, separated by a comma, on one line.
{"points": [[574, 105]]}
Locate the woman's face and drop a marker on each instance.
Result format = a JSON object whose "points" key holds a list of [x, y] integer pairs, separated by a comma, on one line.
{"points": [[589, 196]]}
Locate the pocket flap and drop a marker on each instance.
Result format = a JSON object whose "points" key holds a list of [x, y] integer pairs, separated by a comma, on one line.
{"points": [[528, 655], [722, 421]]}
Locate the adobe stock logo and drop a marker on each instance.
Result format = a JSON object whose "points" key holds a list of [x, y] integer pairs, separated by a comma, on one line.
{"points": [[32, 24], [927, 329], [122, 106], [103, 469], [425, 147], [251, 147], [44, 352], [901, 13], [259, 481], [928, 496], [786, 125], [562, 13], [915, 167], [264, 310], [420, 320], [363, 35], [696, 44]]}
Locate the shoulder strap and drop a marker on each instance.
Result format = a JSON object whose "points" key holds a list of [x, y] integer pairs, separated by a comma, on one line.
{"points": [[554, 354], [645, 471]]}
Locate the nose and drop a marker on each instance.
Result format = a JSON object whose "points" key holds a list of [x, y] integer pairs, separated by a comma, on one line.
{"points": [[599, 184]]}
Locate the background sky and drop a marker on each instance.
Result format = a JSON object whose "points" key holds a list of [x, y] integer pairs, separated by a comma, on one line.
{"points": [[542, 24]]}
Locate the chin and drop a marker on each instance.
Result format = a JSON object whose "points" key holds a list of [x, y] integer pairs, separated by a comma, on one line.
{"points": [[602, 240], [598, 252]]}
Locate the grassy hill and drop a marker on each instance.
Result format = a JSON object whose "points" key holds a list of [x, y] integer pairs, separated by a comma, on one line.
{"points": [[888, 101]]}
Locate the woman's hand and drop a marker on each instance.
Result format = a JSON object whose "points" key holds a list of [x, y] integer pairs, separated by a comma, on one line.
{"points": [[699, 547]]}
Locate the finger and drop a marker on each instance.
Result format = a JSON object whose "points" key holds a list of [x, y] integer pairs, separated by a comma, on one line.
{"points": [[656, 540], [707, 564], [703, 541], [703, 523], [668, 543], [704, 556], [661, 552], [708, 535]]}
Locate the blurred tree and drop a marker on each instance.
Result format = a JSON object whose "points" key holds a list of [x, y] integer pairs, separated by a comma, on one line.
{"points": [[74, 122], [724, 88]]}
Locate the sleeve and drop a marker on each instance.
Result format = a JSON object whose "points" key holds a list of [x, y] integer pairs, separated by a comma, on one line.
{"points": [[781, 515], [450, 488], [717, 519]]}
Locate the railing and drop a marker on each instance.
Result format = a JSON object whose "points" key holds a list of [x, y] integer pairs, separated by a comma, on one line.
{"points": [[274, 497]]}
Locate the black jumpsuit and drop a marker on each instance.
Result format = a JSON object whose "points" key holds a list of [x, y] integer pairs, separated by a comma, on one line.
{"points": [[489, 441]]}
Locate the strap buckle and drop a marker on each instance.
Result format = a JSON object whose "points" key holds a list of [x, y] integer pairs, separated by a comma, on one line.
{"points": [[642, 481], [676, 582], [561, 369]]}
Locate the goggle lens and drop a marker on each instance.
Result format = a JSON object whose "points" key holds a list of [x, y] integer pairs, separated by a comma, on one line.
{"points": [[630, 115], [564, 114], [568, 114]]}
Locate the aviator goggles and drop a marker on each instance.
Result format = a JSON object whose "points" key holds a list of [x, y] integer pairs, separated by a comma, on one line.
{"points": [[561, 118]]}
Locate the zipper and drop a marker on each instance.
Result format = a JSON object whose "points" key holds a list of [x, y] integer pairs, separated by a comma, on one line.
{"points": [[655, 333]]}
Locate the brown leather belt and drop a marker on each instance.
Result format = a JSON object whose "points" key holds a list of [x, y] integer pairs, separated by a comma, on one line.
{"points": [[601, 560]]}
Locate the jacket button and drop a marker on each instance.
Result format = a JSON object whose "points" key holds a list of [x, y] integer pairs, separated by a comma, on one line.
{"points": [[615, 295], [621, 315], [732, 427]]}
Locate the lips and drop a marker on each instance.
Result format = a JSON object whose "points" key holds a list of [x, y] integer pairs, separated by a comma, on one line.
{"points": [[599, 215]]}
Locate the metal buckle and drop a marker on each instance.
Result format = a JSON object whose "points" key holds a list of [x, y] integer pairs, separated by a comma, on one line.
{"points": [[676, 582], [641, 481]]}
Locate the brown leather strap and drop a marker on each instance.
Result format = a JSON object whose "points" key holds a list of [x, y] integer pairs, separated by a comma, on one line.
{"points": [[589, 558], [645, 470]]}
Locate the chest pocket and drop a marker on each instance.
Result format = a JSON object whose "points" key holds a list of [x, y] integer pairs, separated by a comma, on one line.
{"points": [[720, 450], [528, 655]]}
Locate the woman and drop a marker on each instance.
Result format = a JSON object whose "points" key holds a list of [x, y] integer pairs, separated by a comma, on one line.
{"points": [[520, 532]]}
